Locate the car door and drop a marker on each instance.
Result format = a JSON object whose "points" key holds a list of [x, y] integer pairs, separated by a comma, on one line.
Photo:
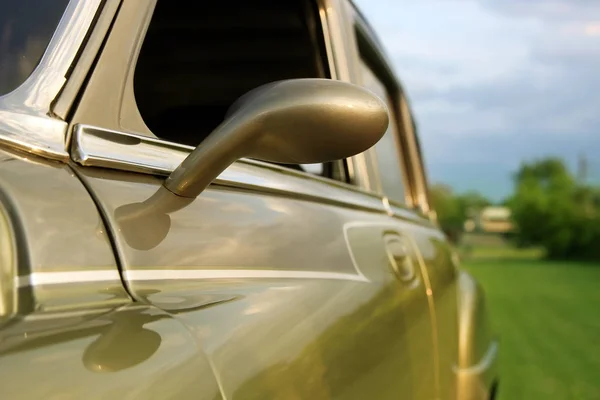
{"points": [[295, 286], [68, 327]]}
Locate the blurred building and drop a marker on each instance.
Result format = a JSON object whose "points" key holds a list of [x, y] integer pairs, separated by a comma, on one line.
{"points": [[492, 219]]}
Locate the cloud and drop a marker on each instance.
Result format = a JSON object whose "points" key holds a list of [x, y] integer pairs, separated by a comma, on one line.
{"points": [[493, 82], [548, 10]]}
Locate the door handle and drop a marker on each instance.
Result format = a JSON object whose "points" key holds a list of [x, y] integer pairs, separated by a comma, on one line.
{"points": [[399, 256]]}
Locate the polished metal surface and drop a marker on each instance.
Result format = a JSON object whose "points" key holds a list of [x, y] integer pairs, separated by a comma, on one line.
{"points": [[388, 170], [59, 232], [435, 252], [108, 100], [413, 172], [341, 33], [24, 113], [62, 104], [304, 288], [215, 274], [271, 284], [474, 331], [39, 135], [398, 255], [419, 176], [37, 92], [476, 381], [37, 279], [128, 352], [96, 147], [442, 287], [8, 268], [296, 121], [327, 41]]}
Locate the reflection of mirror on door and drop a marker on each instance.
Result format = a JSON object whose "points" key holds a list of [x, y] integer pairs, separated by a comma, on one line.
{"points": [[124, 343]]}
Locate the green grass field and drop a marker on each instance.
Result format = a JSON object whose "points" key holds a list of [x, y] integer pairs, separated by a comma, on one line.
{"points": [[547, 316]]}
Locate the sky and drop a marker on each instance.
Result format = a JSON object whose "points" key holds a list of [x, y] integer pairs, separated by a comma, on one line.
{"points": [[493, 83]]}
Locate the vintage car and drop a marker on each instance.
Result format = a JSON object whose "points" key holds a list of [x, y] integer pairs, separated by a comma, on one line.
{"points": [[220, 200]]}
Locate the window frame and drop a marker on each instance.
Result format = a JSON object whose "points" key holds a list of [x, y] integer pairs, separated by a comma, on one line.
{"points": [[28, 123], [111, 81], [366, 46], [369, 63]]}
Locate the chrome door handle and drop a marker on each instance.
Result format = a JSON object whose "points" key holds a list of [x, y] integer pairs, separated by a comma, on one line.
{"points": [[399, 256]]}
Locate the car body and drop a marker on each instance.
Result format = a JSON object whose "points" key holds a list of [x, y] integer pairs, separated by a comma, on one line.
{"points": [[274, 282]]}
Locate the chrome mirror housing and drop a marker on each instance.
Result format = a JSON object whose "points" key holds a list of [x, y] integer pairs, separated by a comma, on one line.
{"points": [[298, 121]]}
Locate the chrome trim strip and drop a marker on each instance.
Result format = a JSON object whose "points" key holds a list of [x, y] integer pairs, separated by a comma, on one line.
{"points": [[63, 102], [24, 112], [67, 277], [8, 264], [60, 278], [205, 274], [98, 147], [64, 314], [322, 5], [42, 136]]}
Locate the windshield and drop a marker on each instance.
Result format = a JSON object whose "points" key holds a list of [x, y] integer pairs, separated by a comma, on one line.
{"points": [[26, 27]]}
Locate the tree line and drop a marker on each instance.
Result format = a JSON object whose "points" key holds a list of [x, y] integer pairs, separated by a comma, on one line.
{"points": [[550, 208]]}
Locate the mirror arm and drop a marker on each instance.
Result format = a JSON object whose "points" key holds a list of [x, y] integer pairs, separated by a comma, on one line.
{"points": [[217, 152]]}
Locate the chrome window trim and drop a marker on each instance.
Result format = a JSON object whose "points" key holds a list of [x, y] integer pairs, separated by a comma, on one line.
{"points": [[166, 274], [324, 9], [103, 148], [394, 90], [67, 277], [98, 147], [93, 146], [9, 301], [62, 104], [326, 31], [144, 153], [37, 92], [25, 120], [339, 32], [417, 193]]}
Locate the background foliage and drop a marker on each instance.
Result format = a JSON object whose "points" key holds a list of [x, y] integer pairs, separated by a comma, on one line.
{"points": [[553, 210], [453, 209], [550, 208]]}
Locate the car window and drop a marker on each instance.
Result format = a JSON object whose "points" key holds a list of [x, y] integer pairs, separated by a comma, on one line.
{"points": [[387, 150], [196, 60], [26, 27]]}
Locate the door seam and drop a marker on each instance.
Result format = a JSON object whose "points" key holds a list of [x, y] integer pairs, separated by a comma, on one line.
{"points": [[112, 236]]}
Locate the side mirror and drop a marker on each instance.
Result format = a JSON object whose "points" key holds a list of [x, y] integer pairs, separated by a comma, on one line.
{"points": [[298, 121]]}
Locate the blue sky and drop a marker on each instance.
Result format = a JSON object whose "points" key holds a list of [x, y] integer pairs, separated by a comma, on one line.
{"points": [[495, 82]]}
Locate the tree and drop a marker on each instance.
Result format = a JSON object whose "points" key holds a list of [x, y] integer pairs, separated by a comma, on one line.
{"points": [[452, 210], [447, 209], [552, 210], [471, 203]]}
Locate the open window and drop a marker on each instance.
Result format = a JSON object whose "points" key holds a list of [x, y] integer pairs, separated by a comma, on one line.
{"points": [[198, 58]]}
